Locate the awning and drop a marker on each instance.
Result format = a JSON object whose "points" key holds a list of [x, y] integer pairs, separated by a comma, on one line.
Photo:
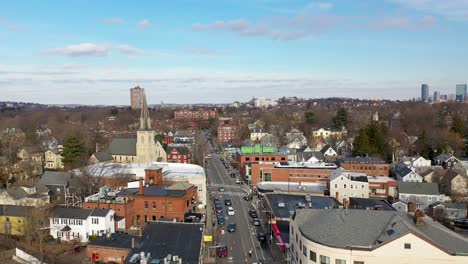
{"points": [[278, 235], [65, 229]]}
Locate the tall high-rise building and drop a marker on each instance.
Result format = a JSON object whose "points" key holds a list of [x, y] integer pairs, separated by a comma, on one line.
{"points": [[460, 93], [136, 97], [436, 97], [424, 92]]}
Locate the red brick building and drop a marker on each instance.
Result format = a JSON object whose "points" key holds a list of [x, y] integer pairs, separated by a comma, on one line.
{"points": [[370, 165], [178, 154], [228, 134], [150, 202], [382, 186], [255, 158], [269, 172], [200, 114]]}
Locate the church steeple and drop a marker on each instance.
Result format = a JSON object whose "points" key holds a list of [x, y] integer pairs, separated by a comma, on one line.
{"points": [[145, 121]]}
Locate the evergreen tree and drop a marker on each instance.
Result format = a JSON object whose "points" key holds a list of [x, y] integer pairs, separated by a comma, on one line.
{"points": [[340, 120], [309, 118], [73, 150], [372, 141], [361, 145]]}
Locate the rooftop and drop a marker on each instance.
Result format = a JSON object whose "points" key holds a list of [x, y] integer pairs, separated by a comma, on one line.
{"points": [[78, 213], [306, 165], [370, 204], [380, 227], [309, 187], [430, 188], [282, 204], [367, 160], [155, 190]]}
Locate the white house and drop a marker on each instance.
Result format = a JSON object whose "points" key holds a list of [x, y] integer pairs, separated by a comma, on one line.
{"points": [[78, 224], [421, 194], [407, 174], [328, 151], [345, 184], [400, 206], [353, 236], [420, 162]]}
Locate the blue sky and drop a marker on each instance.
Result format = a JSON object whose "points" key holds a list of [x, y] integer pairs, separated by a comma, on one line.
{"points": [[92, 52]]}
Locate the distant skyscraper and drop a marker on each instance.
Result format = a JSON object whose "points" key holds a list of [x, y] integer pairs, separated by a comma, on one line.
{"points": [[436, 97], [136, 96], [450, 97], [460, 93], [424, 92]]}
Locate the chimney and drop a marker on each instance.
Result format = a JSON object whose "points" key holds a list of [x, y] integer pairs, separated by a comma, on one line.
{"points": [[97, 147], [141, 190], [133, 242], [419, 217]]}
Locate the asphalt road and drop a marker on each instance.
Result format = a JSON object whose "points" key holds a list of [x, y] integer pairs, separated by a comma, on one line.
{"points": [[244, 238]]}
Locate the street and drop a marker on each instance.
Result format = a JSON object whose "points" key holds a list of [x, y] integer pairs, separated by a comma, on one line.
{"points": [[244, 238]]}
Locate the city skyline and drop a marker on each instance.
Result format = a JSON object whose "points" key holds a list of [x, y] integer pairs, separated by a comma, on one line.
{"points": [[223, 51]]}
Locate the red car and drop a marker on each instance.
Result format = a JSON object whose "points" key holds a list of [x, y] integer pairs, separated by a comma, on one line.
{"points": [[222, 251]]}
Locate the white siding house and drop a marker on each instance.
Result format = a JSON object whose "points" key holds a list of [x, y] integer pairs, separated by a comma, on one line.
{"points": [[78, 224], [345, 184]]}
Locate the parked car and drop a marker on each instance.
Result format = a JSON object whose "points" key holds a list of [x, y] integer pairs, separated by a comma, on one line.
{"points": [[221, 220], [218, 208], [238, 181], [222, 251], [221, 189], [256, 221], [252, 211], [230, 211], [227, 201], [231, 227], [261, 236]]}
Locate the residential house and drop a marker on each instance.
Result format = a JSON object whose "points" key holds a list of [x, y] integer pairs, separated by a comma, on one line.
{"points": [[447, 161], [455, 184], [419, 194], [162, 242], [427, 175], [344, 147], [71, 223], [13, 219], [407, 174], [328, 151], [53, 159], [295, 136], [257, 134], [449, 211], [25, 195], [372, 236], [419, 162], [325, 133], [372, 166], [400, 206], [59, 185], [345, 184], [178, 154]]}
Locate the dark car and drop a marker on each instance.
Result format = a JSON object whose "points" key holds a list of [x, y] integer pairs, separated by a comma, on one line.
{"points": [[254, 215], [252, 211], [231, 227], [261, 236], [227, 201], [256, 221], [216, 200], [218, 208], [222, 251], [221, 220], [247, 197]]}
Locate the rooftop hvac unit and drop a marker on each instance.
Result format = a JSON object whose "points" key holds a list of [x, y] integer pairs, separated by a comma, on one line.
{"points": [[281, 205], [175, 258], [308, 198]]}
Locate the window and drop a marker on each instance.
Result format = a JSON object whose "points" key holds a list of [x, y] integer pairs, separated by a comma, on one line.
{"points": [[296, 239], [146, 204], [344, 186], [169, 206], [407, 246], [58, 190], [304, 251], [358, 262], [340, 261], [336, 185], [313, 256], [95, 221], [324, 259]]}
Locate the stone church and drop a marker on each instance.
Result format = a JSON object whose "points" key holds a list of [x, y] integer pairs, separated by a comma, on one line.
{"points": [[142, 149]]}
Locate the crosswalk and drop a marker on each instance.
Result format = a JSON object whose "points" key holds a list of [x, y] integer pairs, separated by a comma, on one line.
{"points": [[228, 193], [224, 185]]}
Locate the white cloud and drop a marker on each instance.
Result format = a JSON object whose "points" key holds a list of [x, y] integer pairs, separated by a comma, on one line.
{"points": [[450, 9], [92, 49], [144, 24], [281, 28], [113, 20], [320, 5], [404, 23]]}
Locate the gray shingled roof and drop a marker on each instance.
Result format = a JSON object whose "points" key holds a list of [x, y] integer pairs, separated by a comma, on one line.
{"points": [[103, 156], [78, 213], [370, 228], [55, 178], [15, 210], [17, 193], [430, 188], [154, 190], [123, 146]]}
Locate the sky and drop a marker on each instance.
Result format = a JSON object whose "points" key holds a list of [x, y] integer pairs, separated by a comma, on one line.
{"points": [[191, 51]]}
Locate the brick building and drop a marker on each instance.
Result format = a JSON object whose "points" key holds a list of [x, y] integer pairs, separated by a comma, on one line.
{"points": [[176, 154], [382, 186], [228, 134], [200, 114], [244, 159], [371, 166], [294, 172], [151, 201], [136, 95]]}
